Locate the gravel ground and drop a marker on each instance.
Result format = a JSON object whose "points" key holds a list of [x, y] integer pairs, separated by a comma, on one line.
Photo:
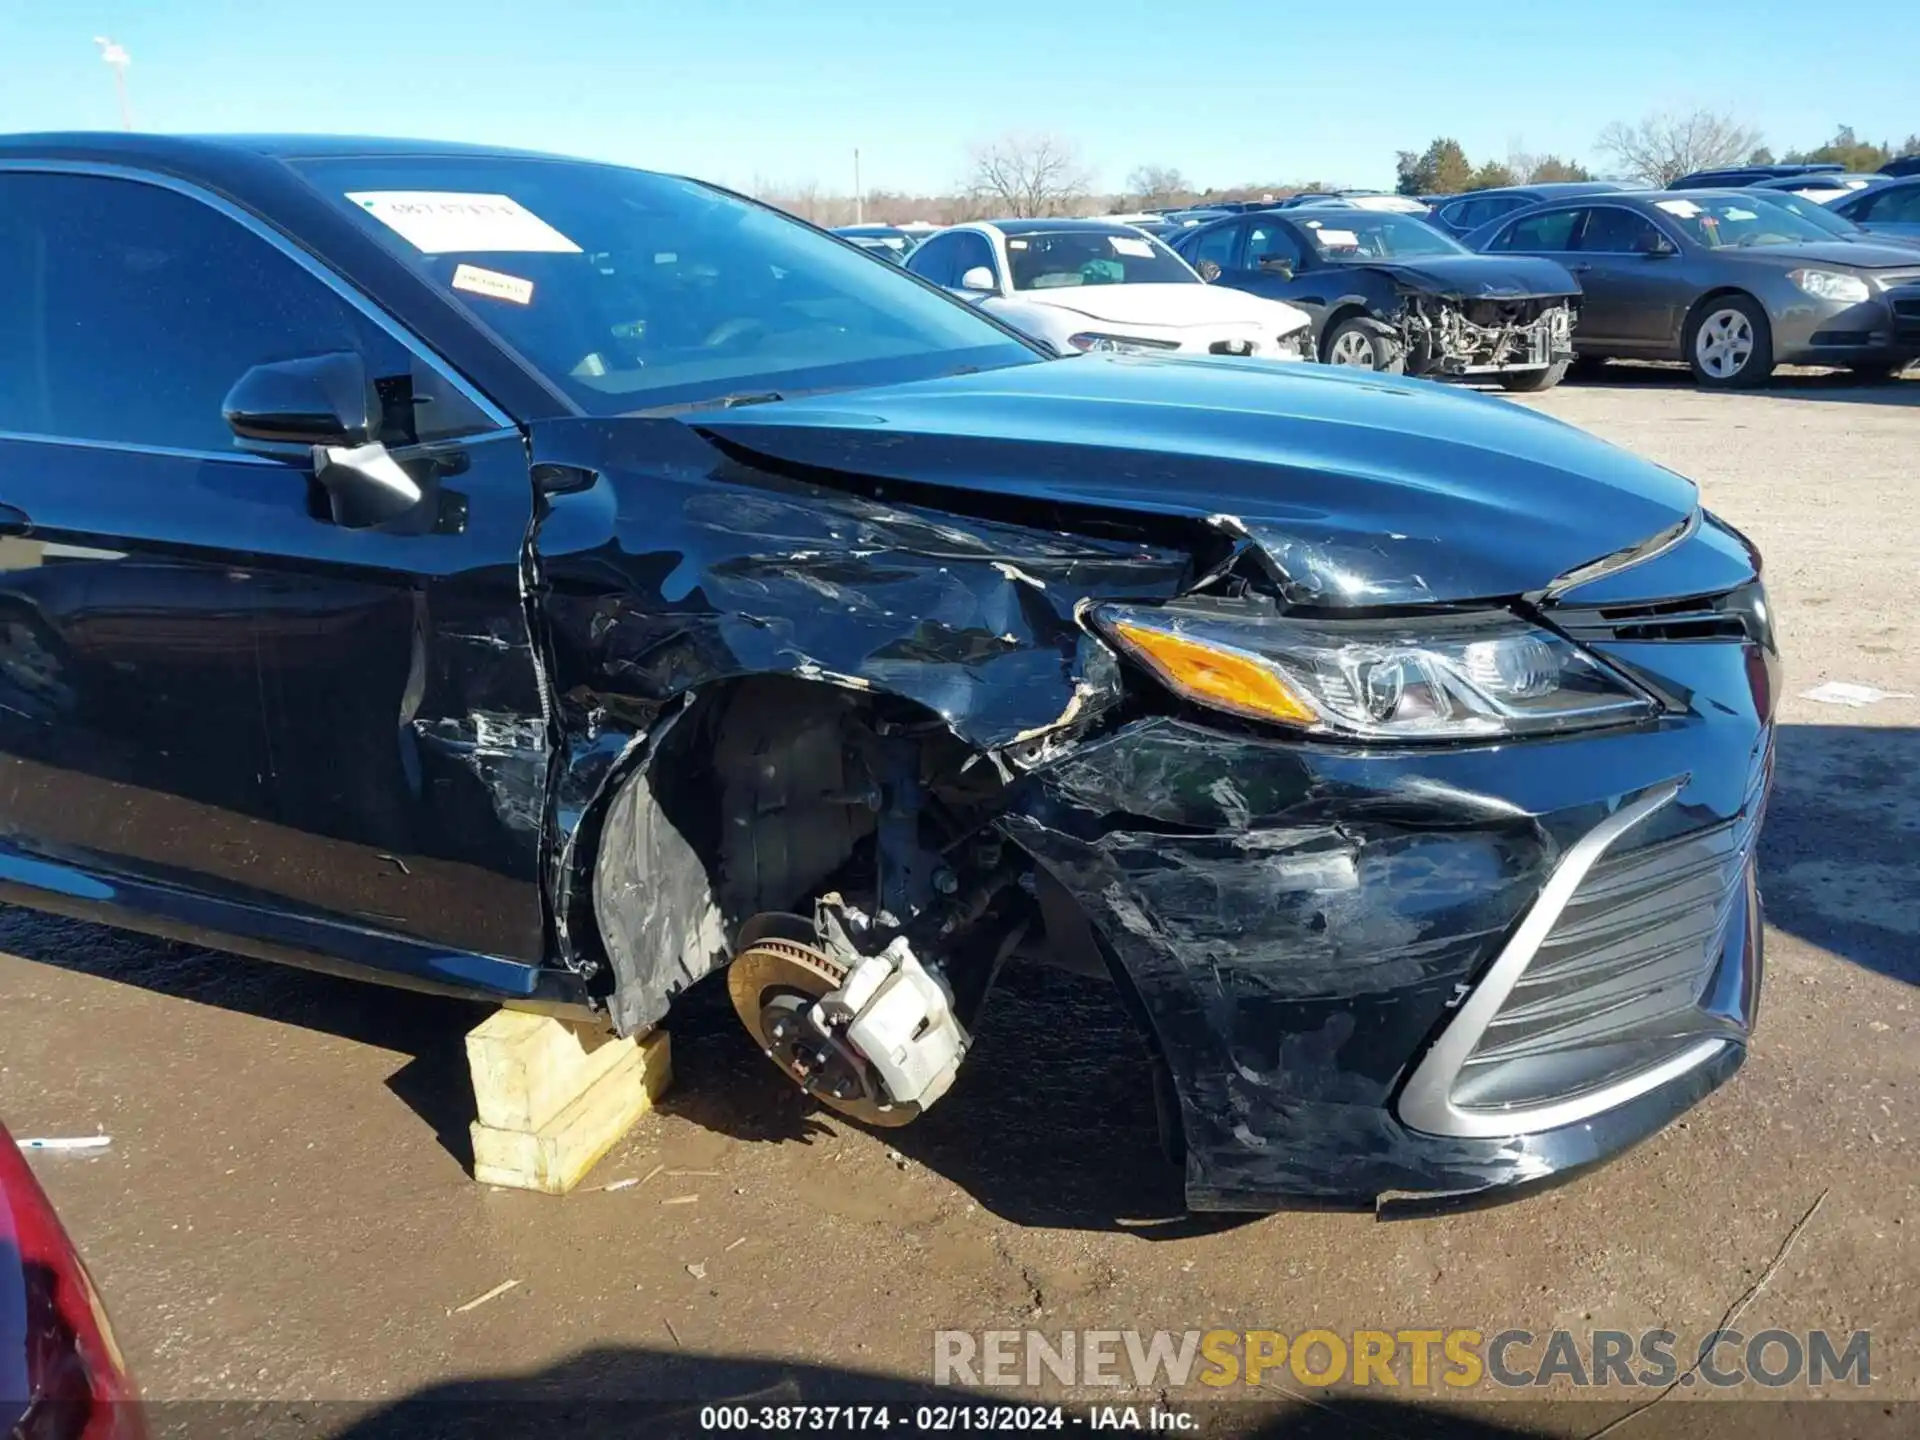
{"points": [[284, 1212]]}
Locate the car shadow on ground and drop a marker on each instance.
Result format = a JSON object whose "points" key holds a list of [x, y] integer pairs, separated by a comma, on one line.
{"points": [[1796, 383], [429, 1029], [1051, 1122], [1840, 851], [653, 1393]]}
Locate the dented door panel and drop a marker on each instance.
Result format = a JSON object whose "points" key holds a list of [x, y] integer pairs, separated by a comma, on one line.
{"points": [[403, 695]]}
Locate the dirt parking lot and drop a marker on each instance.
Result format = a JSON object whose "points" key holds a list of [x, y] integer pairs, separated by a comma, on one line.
{"points": [[285, 1213]]}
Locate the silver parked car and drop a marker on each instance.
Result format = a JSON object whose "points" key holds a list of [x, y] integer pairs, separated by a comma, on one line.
{"points": [[1731, 284]]}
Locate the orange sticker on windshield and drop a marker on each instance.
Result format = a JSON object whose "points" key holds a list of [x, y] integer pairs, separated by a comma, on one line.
{"points": [[493, 284]]}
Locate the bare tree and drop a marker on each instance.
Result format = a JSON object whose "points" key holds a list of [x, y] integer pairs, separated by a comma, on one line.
{"points": [[1157, 185], [1025, 175], [1663, 147]]}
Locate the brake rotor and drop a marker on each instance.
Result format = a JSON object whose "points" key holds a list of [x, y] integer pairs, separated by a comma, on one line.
{"points": [[774, 983]]}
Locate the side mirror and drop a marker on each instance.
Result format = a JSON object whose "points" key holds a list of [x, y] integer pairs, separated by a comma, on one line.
{"points": [[1281, 265], [1208, 270], [979, 279], [315, 400], [1658, 248], [326, 403]]}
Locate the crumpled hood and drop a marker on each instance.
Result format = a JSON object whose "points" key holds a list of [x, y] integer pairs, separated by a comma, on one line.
{"points": [[1170, 305], [1481, 277], [1361, 489]]}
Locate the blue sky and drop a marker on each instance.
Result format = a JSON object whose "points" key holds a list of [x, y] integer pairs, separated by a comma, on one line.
{"points": [[784, 90]]}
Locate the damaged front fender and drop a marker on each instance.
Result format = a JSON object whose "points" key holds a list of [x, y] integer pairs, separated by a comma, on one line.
{"points": [[667, 568]]}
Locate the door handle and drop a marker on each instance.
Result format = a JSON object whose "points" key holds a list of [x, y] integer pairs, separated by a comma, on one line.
{"points": [[14, 521]]}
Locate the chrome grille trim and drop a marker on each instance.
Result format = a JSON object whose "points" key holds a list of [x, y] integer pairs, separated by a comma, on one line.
{"points": [[1427, 1102]]}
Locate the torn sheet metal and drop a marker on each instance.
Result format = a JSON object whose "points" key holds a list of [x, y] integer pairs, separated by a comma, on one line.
{"points": [[670, 567]]}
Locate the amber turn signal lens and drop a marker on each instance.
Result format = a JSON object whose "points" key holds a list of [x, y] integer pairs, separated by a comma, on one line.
{"points": [[1227, 679]]}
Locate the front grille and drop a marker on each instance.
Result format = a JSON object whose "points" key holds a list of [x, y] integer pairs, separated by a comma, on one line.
{"points": [[1737, 614], [1614, 988]]}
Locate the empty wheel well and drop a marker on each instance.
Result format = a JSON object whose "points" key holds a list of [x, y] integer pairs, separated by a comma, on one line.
{"points": [[760, 795]]}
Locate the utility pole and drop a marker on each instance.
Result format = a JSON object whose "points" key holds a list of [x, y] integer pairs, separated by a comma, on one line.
{"points": [[859, 195], [119, 59]]}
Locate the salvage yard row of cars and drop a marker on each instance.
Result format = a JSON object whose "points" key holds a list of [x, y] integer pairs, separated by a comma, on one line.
{"points": [[1734, 272], [569, 585]]}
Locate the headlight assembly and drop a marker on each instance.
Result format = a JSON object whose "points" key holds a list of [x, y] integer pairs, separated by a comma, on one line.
{"points": [[1294, 345], [1831, 285], [1444, 677], [1120, 344]]}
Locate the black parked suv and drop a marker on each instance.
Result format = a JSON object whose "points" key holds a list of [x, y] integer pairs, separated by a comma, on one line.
{"points": [[565, 584]]}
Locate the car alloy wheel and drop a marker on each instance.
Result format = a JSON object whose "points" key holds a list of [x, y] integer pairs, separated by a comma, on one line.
{"points": [[1724, 343], [1351, 347]]}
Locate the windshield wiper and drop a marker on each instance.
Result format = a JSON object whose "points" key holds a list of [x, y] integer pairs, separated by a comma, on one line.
{"points": [[717, 402]]}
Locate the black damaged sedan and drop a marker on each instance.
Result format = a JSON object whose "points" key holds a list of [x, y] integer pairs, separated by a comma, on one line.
{"points": [[1392, 293], [559, 583]]}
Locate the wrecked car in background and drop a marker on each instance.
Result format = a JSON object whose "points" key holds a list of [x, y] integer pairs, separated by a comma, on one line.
{"points": [[1389, 292], [566, 584]]}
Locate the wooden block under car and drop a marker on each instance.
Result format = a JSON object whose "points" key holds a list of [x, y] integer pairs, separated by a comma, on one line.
{"points": [[611, 1087], [527, 1068]]}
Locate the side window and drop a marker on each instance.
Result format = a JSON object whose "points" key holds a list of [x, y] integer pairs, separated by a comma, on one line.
{"points": [[1897, 207], [1550, 230], [933, 260], [1464, 214], [1618, 232], [971, 248], [1218, 244], [130, 310], [1267, 240]]}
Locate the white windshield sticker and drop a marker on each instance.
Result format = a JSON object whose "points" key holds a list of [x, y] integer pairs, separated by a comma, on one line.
{"points": [[1685, 209], [474, 280], [1127, 245], [1339, 237], [1741, 215], [1016, 244], [441, 222]]}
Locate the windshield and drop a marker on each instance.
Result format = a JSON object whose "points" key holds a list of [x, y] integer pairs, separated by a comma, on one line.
{"points": [[1738, 221], [1812, 212], [1055, 259], [629, 290], [1375, 235]]}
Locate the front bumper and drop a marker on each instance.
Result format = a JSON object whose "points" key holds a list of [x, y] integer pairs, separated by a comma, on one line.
{"points": [[1303, 926], [1882, 330]]}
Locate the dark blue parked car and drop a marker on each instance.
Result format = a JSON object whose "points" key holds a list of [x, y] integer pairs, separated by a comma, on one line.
{"points": [[1890, 210], [1461, 215], [562, 583]]}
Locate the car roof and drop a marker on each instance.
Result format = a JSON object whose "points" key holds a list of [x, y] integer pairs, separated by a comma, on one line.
{"points": [[1717, 172], [139, 148], [1550, 189]]}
